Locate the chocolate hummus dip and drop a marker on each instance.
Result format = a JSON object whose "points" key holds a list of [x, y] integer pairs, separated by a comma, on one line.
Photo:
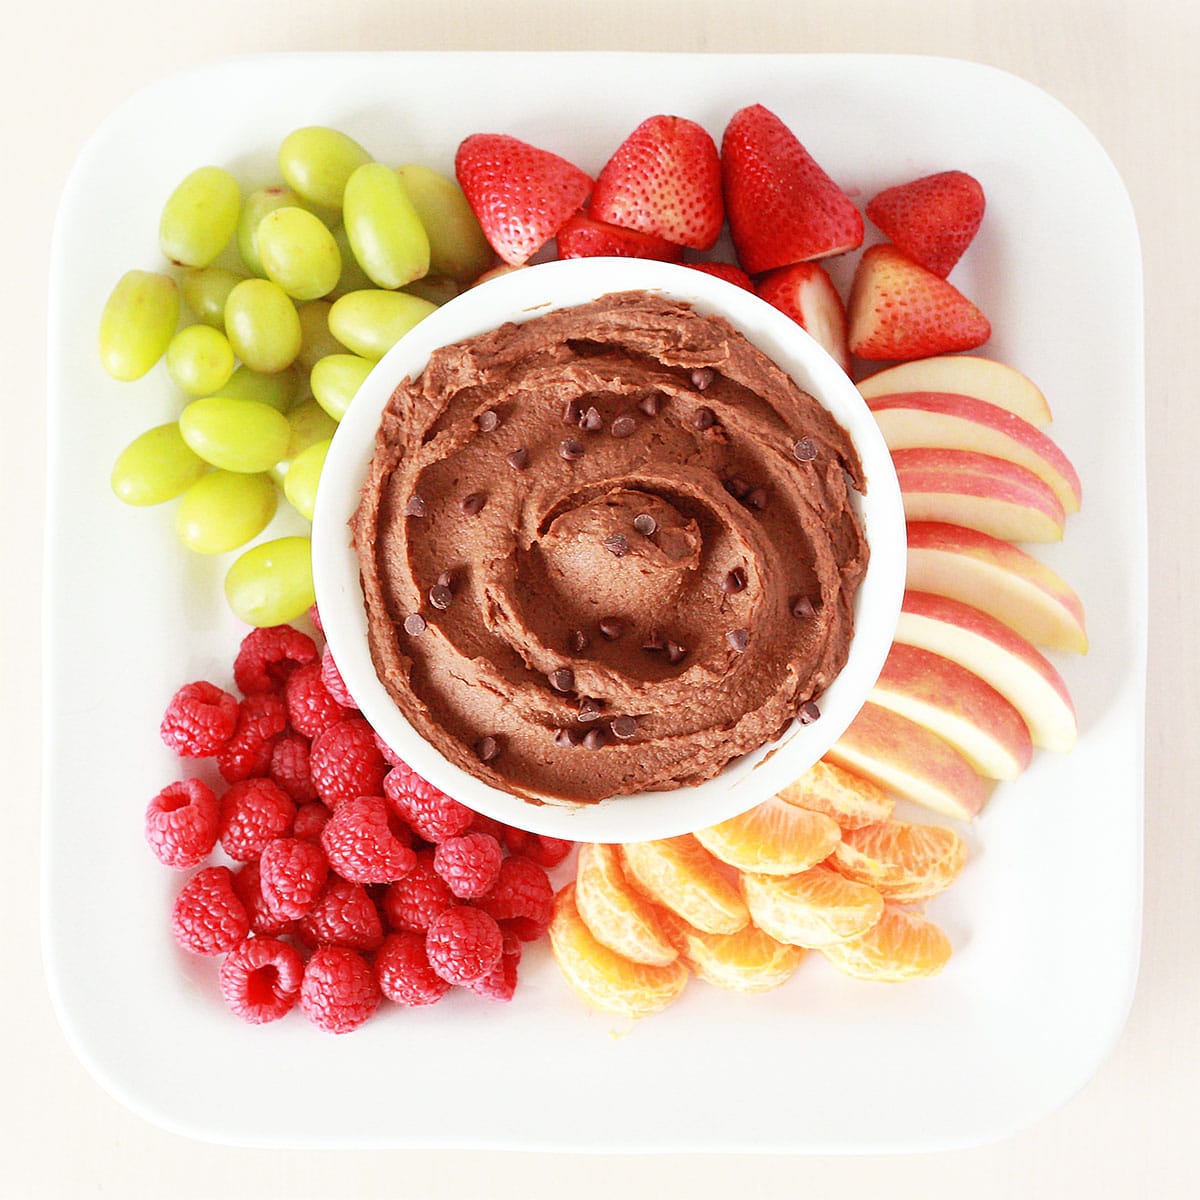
{"points": [[607, 550]]}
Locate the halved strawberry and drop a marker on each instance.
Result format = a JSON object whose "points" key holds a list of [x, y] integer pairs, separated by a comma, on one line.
{"points": [[664, 179], [582, 237], [726, 271], [520, 194], [805, 293], [931, 219], [782, 207], [899, 310]]}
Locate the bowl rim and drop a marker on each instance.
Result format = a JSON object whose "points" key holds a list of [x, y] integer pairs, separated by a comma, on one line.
{"points": [[521, 295]]}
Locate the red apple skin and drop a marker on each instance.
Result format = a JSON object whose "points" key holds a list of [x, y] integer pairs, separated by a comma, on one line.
{"points": [[1001, 579], [958, 706]]}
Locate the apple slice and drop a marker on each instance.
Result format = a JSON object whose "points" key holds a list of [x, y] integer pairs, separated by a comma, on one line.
{"points": [[916, 420], [958, 706], [907, 759], [977, 641], [992, 495], [1011, 585], [963, 375]]}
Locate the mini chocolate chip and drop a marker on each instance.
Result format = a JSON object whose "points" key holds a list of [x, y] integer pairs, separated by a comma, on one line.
{"points": [[567, 739], [675, 653], [808, 713], [473, 504], [415, 624], [702, 377], [757, 499], [487, 748], [803, 608], [518, 459], [440, 596], [415, 506], [594, 739], [571, 413], [571, 449], [577, 641], [624, 427], [654, 641], [562, 680], [624, 728], [650, 405], [738, 640], [488, 420], [589, 709], [735, 581], [611, 629], [805, 450], [645, 524], [591, 421], [737, 487], [617, 543], [703, 418]]}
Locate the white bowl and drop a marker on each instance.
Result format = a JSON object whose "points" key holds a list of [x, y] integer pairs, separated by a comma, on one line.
{"points": [[520, 296]]}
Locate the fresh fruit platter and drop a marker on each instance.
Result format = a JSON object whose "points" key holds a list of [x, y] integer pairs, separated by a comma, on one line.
{"points": [[926, 940]]}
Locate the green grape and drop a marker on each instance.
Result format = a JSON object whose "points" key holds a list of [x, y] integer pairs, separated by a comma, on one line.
{"points": [[315, 339], [236, 435], [371, 322], [200, 217], [336, 378], [317, 161], [200, 359], [457, 247], [310, 423], [353, 277], [157, 465], [271, 583], [437, 289], [300, 484], [298, 253], [137, 323], [224, 510], [279, 389], [262, 325], [205, 290], [385, 231], [258, 204]]}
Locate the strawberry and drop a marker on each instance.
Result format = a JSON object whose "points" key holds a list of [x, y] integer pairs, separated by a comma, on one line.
{"points": [[726, 271], [782, 207], [932, 219], [899, 310], [583, 237], [520, 194], [665, 180], [805, 293]]}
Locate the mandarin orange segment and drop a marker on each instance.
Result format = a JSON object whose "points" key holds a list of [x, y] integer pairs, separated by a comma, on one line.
{"points": [[746, 961], [603, 978], [681, 875], [773, 838], [902, 945], [849, 799], [903, 862], [618, 916], [815, 908]]}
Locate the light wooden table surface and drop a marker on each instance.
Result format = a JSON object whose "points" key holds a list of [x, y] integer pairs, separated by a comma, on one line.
{"points": [[1126, 68]]}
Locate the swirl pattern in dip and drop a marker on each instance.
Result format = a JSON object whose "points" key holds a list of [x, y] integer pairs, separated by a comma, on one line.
{"points": [[607, 550]]}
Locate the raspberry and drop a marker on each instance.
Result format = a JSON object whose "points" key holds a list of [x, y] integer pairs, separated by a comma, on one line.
{"points": [[332, 678], [310, 820], [199, 720], [181, 823], [469, 864], [260, 979], [339, 991], [289, 767], [361, 846], [463, 944], [545, 851], [501, 981], [293, 872], [252, 813], [411, 903], [389, 755], [247, 883], [346, 762], [315, 618], [247, 755], [488, 825], [344, 915], [208, 918], [522, 900], [432, 814], [405, 975], [267, 656], [311, 709]]}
